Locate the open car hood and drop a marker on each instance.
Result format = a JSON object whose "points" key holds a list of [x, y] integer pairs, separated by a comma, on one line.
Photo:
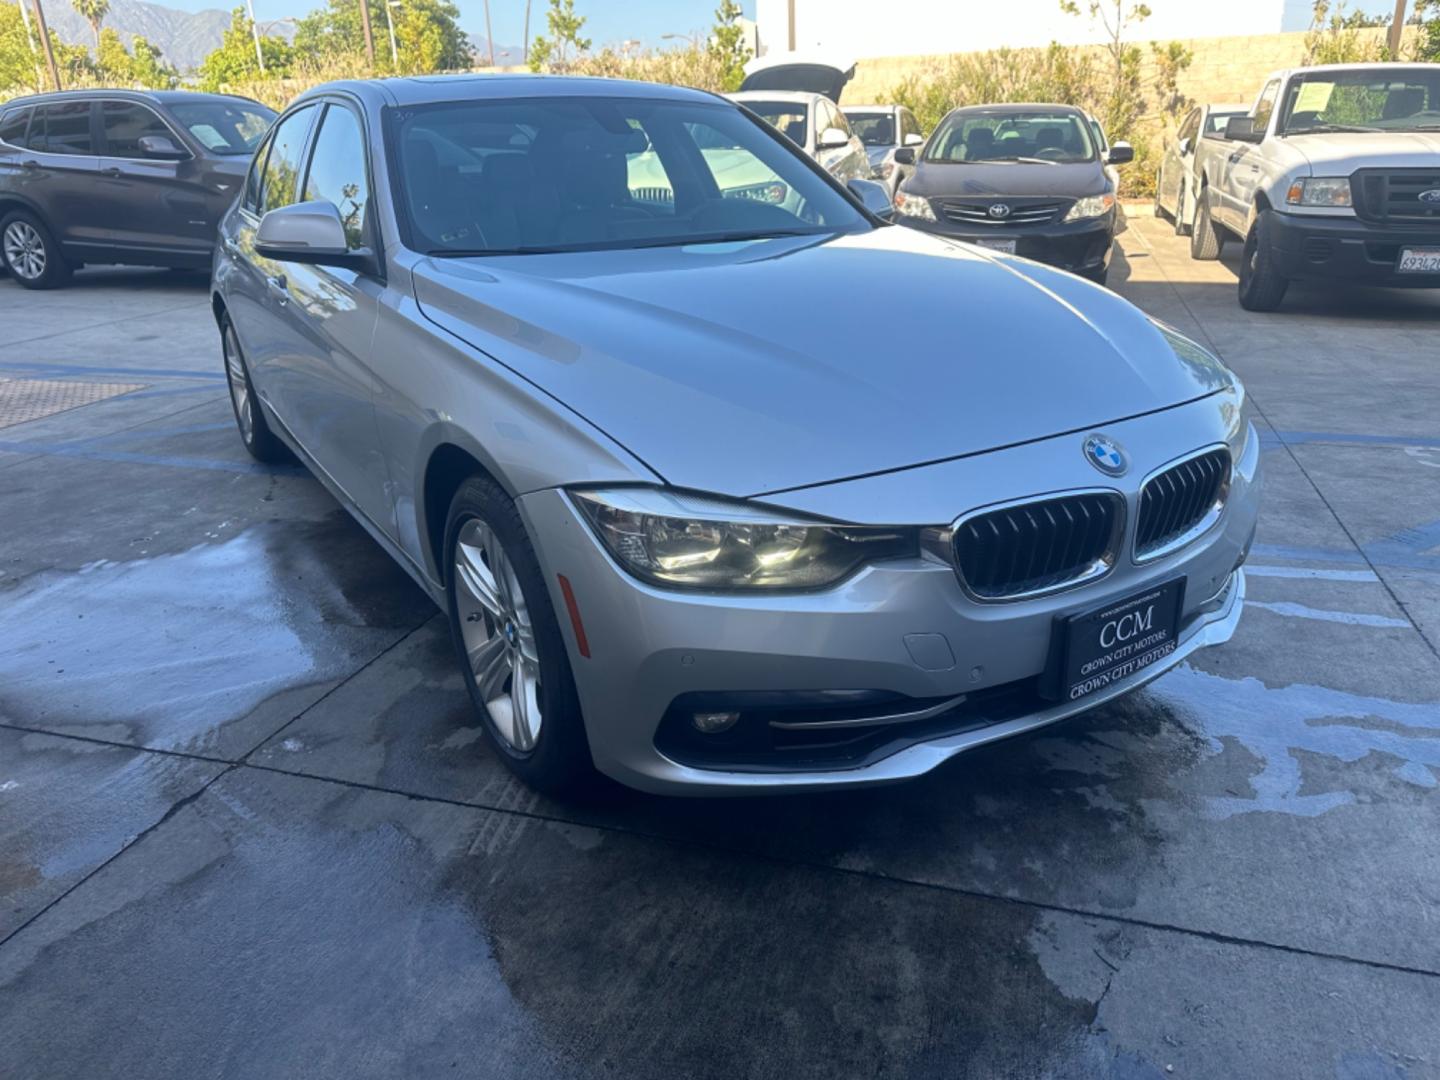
{"points": [[799, 72]]}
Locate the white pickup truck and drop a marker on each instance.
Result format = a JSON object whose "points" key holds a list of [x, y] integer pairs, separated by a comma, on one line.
{"points": [[1333, 174]]}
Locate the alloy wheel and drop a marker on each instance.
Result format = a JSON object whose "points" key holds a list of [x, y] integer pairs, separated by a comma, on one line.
{"points": [[25, 250], [498, 634], [239, 386]]}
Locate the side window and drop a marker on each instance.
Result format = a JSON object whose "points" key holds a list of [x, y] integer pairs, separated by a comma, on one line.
{"points": [[337, 171], [67, 129], [281, 182], [13, 125], [1191, 126], [125, 123], [1266, 105], [254, 179]]}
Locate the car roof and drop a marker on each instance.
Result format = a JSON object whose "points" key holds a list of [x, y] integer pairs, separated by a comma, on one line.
{"points": [[1232, 107], [431, 89], [1326, 69], [870, 108], [155, 97], [1018, 107]]}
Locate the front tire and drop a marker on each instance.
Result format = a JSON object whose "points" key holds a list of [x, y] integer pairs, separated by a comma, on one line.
{"points": [[1262, 286], [1181, 229], [30, 252], [512, 652], [1206, 239], [255, 433]]}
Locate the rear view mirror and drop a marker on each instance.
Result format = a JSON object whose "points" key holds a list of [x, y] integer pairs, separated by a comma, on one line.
{"points": [[1242, 129], [1122, 153], [161, 148], [875, 197], [308, 232], [914, 139], [905, 155], [832, 139]]}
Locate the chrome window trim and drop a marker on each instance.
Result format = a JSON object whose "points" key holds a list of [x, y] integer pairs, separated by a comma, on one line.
{"points": [[1101, 567], [1208, 521]]}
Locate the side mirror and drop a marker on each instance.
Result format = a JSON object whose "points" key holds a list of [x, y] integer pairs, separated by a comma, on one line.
{"points": [[905, 155], [832, 139], [162, 148], [914, 139], [1183, 147], [1242, 129], [875, 197], [1122, 153], [309, 232]]}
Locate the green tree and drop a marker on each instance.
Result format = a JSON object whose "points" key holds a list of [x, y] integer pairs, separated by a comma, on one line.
{"points": [[727, 45], [1336, 36], [1124, 102], [427, 35], [234, 61], [94, 12], [140, 65], [564, 45], [1427, 41]]}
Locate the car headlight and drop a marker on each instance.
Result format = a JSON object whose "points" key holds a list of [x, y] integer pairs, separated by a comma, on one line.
{"points": [[1320, 191], [687, 541], [916, 206], [1091, 206]]}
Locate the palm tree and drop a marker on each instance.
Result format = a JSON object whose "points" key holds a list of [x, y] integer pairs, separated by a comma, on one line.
{"points": [[94, 12]]}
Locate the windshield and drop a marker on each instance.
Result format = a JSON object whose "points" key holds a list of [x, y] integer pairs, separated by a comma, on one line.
{"points": [[225, 127], [873, 128], [1375, 99], [523, 176], [1041, 135], [786, 117]]}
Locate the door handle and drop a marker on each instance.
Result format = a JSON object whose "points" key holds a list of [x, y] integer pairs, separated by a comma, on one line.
{"points": [[112, 171], [30, 163], [276, 284]]}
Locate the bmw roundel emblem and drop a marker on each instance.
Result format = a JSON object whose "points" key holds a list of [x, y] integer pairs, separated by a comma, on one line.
{"points": [[1106, 455]]}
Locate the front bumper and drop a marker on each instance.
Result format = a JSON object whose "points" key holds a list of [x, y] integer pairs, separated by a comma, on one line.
{"points": [[1078, 246], [903, 627], [1329, 248]]}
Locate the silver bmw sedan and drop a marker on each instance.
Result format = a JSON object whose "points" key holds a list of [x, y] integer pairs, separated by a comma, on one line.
{"points": [[725, 484]]}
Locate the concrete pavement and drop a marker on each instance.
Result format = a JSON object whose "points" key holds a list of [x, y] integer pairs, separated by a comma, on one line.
{"points": [[248, 827]]}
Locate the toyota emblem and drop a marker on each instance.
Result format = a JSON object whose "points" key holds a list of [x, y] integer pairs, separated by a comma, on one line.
{"points": [[999, 211]]}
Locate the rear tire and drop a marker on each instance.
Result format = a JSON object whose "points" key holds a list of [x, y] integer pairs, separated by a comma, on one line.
{"points": [[255, 433], [1262, 286], [1159, 208], [1099, 277], [511, 649], [1206, 239], [30, 252]]}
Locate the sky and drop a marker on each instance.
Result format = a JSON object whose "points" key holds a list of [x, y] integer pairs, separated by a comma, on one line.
{"points": [[607, 21]]}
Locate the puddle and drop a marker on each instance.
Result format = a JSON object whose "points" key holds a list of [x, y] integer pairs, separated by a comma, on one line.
{"points": [[163, 651]]}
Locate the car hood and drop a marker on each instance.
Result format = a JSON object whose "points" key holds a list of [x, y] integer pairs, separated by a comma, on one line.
{"points": [[878, 154], [958, 179], [1340, 154], [754, 367]]}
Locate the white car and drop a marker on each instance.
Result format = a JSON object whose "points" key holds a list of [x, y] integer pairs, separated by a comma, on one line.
{"points": [[1178, 178], [799, 97], [883, 129]]}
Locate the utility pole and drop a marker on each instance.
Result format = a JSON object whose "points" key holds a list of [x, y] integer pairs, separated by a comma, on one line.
{"points": [[489, 38], [369, 38], [526, 57], [45, 40], [1397, 29], [791, 6], [255, 33], [390, 25]]}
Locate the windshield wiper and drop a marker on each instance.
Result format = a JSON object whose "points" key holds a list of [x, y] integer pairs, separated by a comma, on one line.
{"points": [[626, 245], [1318, 129]]}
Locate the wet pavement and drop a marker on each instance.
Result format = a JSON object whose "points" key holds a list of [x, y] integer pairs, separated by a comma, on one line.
{"points": [[248, 826]]}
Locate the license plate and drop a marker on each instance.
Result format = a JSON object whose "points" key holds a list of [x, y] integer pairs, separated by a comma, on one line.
{"points": [[1007, 246], [1113, 642], [1419, 260]]}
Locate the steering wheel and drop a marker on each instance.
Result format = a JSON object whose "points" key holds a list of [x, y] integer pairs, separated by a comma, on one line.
{"points": [[1052, 153]]}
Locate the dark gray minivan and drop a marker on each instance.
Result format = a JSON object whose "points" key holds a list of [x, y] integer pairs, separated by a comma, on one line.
{"points": [[119, 176]]}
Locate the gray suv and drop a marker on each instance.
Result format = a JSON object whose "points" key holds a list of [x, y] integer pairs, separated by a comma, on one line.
{"points": [[119, 176]]}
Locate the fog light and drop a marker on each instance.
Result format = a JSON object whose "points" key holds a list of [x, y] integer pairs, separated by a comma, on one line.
{"points": [[712, 723]]}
